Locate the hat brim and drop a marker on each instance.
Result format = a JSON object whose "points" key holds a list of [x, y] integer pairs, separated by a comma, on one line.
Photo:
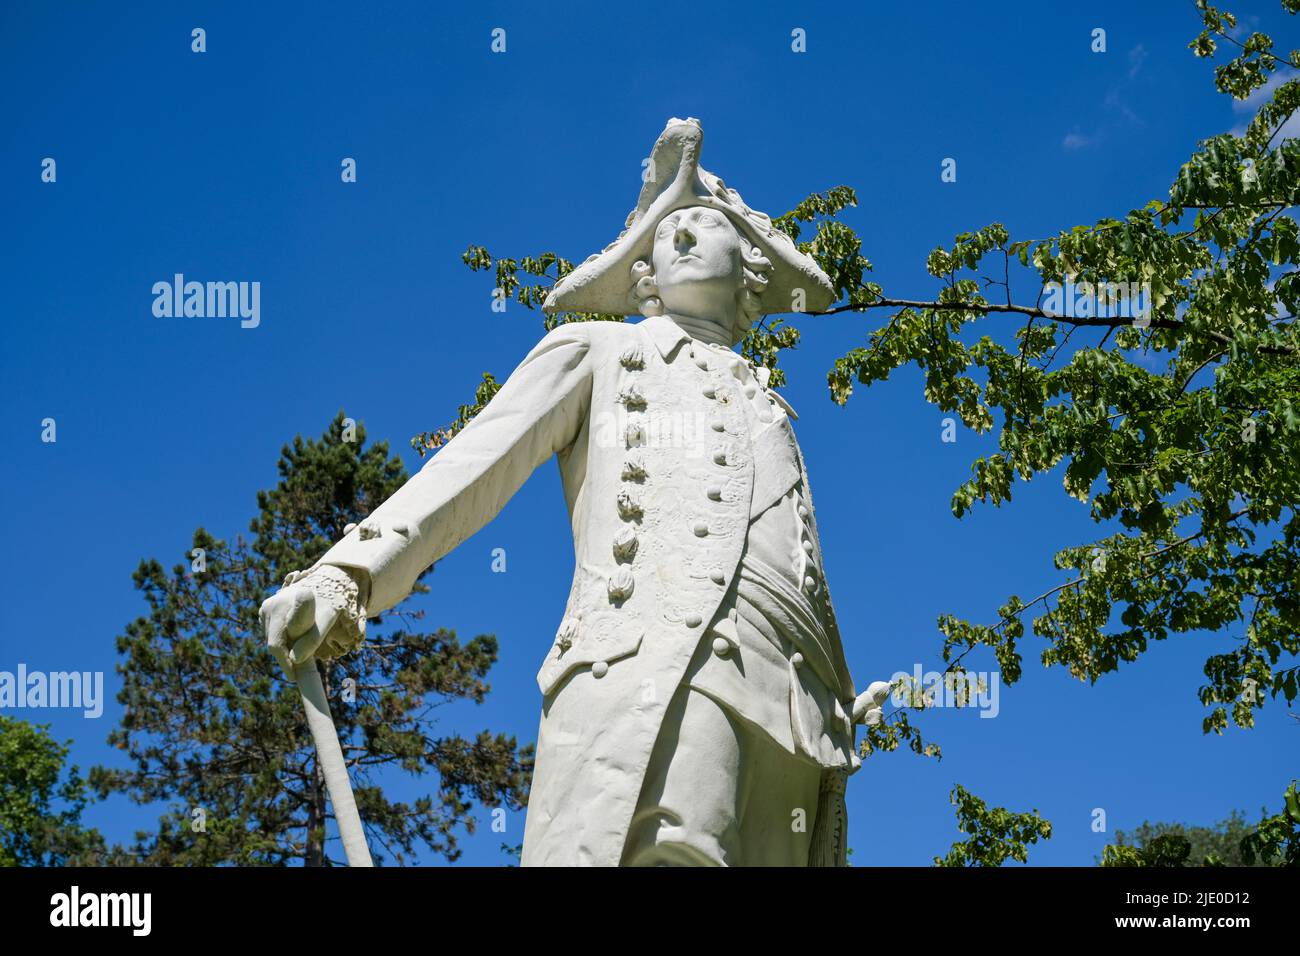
{"points": [[604, 282]]}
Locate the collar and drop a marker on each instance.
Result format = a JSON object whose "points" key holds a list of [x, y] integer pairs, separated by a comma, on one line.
{"points": [[666, 334]]}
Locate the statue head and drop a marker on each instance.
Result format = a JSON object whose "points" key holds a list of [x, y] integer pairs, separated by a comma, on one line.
{"points": [[693, 249], [701, 266]]}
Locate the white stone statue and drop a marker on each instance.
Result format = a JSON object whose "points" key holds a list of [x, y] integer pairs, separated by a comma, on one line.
{"points": [[696, 705]]}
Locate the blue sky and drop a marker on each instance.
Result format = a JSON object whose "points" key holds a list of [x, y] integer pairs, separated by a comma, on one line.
{"points": [[225, 166]]}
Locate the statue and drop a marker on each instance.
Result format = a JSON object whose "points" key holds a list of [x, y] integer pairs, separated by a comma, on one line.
{"points": [[696, 704]]}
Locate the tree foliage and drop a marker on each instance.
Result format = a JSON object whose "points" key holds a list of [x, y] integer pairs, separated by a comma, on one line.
{"points": [[41, 803], [1178, 428], [1275, 841], [426, 442], [995, 834]]}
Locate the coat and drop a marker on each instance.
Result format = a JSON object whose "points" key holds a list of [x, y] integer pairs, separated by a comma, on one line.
{"points": [[660, 477]]}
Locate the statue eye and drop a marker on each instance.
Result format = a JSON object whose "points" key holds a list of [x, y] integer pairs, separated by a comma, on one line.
{"points": [[708, 219]]}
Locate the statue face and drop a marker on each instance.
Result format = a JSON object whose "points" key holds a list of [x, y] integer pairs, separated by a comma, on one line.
{"points": [[697, 263]]}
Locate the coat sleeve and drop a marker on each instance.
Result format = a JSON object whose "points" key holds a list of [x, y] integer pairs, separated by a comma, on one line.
{"points": [[538, 412]]}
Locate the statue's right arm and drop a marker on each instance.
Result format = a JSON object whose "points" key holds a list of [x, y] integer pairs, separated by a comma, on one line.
{"points": [[538, 411]]}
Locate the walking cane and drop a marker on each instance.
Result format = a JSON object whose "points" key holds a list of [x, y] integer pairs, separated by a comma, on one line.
{"points": [[299, 665], [330, 755]]}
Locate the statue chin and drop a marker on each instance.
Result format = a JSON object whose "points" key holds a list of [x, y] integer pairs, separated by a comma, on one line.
{"points": [[707, 309]]}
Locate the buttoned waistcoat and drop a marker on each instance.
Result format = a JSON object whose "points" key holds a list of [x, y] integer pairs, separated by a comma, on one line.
{"points": [[661, 476]]}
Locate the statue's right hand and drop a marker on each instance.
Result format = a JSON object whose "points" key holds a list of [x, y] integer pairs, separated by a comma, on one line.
{"points": [[295, 623]]}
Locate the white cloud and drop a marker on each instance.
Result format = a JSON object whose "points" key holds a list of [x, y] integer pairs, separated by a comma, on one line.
{"points": [[1115, 108], [1248, 107], [1136, 57]]}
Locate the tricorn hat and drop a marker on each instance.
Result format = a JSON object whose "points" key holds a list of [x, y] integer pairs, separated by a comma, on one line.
{"points": [[675, 180]]}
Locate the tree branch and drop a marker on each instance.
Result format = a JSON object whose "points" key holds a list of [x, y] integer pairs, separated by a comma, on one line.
{"points": [[1035, 312]]}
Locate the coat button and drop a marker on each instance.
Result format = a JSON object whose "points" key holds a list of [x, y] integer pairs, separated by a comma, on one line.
{"points": [[721, 647], [702, 362], [807, 545], [628, 506], [796, 659], [718, 425], [717, 577], [714, 492], [810, 584], [625, 543], [803, 512], [566, 635], [634, 467], [621, 584], [599, 669], [694, 620], [719, 456], [701, 529], [710, 392], [631, 396]]}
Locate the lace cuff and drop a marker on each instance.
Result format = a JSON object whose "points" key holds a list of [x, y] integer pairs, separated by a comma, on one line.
{"points": [[339, 590]]}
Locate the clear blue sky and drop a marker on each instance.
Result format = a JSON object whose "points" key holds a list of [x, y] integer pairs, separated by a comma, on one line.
{"points": [[225, 166]]}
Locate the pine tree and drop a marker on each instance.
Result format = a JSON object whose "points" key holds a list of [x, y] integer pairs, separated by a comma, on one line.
{"points": [[214, 731]]}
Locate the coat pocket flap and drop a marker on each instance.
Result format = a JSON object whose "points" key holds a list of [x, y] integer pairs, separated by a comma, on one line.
{"points": [[583, 642]]}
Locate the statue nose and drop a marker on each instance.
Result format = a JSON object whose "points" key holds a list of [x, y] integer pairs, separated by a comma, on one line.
{"points": [[684, 238]]}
